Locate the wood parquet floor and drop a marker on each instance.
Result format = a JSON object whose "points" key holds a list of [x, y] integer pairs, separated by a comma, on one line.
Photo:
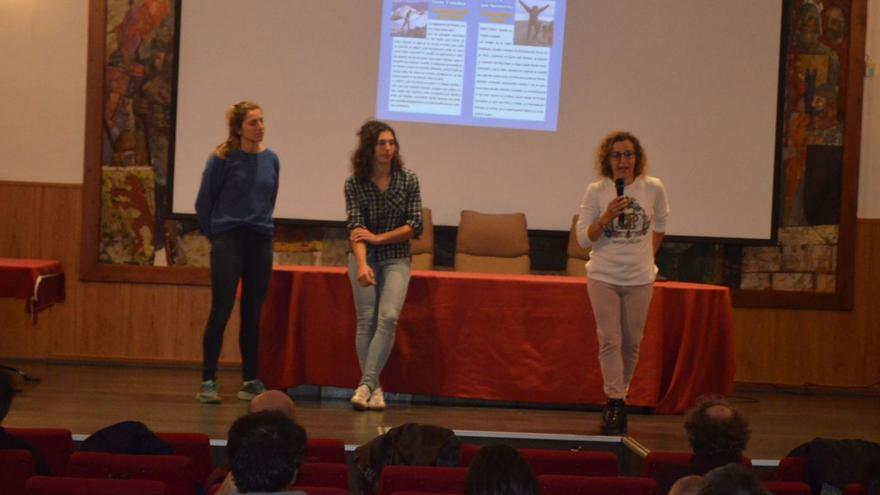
{"points": [[85, 398]]}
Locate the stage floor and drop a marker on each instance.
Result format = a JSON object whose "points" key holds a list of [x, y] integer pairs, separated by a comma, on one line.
{"points": [[84, 398]]}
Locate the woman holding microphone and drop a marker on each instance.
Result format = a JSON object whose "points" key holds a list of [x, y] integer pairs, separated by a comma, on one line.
{"points": [[623, 218]]}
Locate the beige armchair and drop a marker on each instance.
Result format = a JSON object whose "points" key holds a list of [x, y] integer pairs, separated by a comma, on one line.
{"points": [[492, 243], [577, 256], [423, 247]]}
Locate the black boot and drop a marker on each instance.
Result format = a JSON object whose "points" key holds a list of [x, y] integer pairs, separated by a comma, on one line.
{"points": [[614, 417]]}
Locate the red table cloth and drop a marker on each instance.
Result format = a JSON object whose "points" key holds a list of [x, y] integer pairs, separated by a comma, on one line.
{"points": [[499, 337], [39, 282]]}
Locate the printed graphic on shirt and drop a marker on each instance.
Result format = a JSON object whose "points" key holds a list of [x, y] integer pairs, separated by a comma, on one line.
{"points": [[636, 223]]}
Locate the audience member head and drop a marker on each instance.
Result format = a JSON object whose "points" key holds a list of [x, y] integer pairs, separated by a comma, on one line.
{"points": [[688, 485], [716, 430], [368, 138], [273, 400], [7, 392], [732, 479], [265, 451], [499, 470]]}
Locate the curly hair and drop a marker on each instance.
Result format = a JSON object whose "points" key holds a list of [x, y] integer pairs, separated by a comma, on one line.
{"points": [[235, 116], [499, 469], [265, 451], [603, 153], [362, 157], [720, 438]]}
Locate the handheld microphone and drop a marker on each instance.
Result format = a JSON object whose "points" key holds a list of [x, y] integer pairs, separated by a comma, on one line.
{"points": [[618, 183]]}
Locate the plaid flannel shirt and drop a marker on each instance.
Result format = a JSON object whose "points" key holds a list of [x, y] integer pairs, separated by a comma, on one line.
{"points": [[368, 207]]}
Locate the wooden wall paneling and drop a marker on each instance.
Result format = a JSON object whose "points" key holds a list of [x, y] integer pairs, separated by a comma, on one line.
{"points": [[191, 306], [19, 206], [826, 348]]}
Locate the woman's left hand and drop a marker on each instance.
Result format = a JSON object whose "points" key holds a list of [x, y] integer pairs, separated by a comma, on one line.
{"points": [[363, 235]]}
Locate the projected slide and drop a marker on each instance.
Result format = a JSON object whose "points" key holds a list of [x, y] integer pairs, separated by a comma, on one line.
{"points": [[490, 63]]}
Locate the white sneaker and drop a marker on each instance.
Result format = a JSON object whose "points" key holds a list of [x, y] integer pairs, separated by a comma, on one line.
{"points": [[360, 398], [377, 400]]}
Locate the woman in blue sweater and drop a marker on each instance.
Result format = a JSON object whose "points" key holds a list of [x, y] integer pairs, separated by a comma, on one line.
{"points": [[234, 206]]}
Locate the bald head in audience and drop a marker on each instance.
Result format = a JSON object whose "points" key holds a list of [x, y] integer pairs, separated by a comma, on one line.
{"points": [[716, 431], [689, 485], [273, 400]]}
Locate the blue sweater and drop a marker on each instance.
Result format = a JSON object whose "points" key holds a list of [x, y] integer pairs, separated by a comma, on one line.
{"points": [[239, 191]]}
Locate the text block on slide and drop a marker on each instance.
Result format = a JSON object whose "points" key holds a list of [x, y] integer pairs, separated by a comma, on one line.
{"points": [[471, 62]]}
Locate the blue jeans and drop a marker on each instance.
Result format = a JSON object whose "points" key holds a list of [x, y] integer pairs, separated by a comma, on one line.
{"points": [[377, 308]]}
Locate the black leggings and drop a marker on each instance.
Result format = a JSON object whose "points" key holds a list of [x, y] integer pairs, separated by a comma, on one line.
{"points": [[238, 254]]}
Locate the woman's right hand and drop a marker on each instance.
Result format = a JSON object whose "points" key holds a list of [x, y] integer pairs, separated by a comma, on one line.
{"points": [[615, 207], [366, 277]]}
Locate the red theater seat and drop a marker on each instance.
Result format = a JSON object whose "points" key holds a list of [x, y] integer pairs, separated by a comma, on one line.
{"points": [[56, 485], [795, 469], [16, 466], [320, 490], [548, 461], [195, 446], [325, 450], [558, 484], [175, 471], [788, 487], [655, 460], [577, 463], [467, 451], [422, 479], [55, 444], [318, 474]]}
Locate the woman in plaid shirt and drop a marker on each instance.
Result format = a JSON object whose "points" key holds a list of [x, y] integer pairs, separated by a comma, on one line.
{"points": [[384, 210]]}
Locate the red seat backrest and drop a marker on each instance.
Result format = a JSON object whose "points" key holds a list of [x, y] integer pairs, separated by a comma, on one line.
{"points": [[175, 471], [320, 490], [57, 485], [16, 466], [792, 469], [788, 487], [422, 479], [56, 445], [325, 450], [560, 484], [322, 474], [655, 460], [548, 461], [795, 469], [467, 451], [195, 446], [578, 463]]}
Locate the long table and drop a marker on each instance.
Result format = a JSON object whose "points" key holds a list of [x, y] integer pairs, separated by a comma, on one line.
{"points": [[499, 337], [40, 283]]}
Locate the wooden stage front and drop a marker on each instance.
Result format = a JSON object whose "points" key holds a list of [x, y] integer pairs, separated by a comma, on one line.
{"points": [[84, 398]]}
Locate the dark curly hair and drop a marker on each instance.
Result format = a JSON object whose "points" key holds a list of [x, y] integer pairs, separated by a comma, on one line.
{"points": [[265, 451], [603, 154], [362, 158], [718, 438], [498, 469]]}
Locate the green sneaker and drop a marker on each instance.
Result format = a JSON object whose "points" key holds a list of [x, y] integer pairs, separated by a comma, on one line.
{"points": [[208, 393], [251, 389]]}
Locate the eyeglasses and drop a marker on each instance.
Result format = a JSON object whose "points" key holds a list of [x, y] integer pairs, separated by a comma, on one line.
{"points": [[616, 155]]}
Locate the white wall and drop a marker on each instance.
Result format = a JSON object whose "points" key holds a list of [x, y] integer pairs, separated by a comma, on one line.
{"points": [[869, 171], [43, 89]]}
